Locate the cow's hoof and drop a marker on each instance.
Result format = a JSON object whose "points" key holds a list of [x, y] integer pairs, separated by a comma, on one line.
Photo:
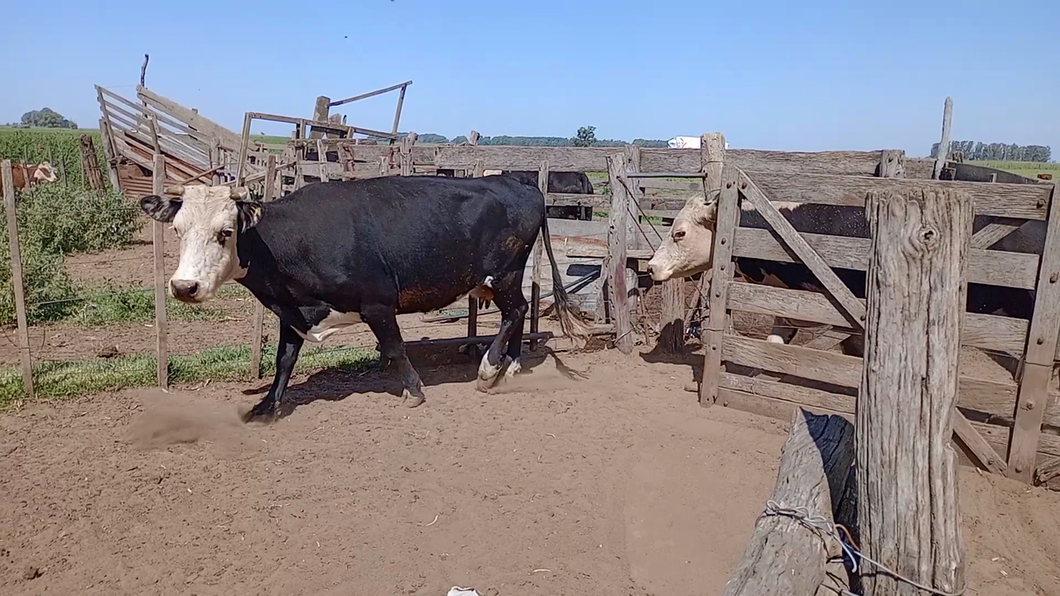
{"points": [[410, 400], [260, 413]]}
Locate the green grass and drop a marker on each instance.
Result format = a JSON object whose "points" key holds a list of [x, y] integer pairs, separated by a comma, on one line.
{"points": [[1023, 168], [108, 305], [58, 379]]}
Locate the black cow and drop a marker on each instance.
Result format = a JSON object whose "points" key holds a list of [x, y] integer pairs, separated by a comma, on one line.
{"points": [[333, 254], [575, 183], [688, 250]]}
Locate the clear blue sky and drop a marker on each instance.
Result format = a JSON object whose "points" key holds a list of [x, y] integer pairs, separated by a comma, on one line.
{"points": [[770, 75]]}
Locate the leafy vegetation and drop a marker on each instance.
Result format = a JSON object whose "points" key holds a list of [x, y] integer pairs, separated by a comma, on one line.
{"points": [[67, 219], [66, 379], [55, 220]]}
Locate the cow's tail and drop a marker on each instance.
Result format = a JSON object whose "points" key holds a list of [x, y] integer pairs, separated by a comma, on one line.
{"points": [[569, 321]]}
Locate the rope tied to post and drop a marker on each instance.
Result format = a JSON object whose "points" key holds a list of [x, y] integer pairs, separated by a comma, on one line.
{"points": [[823, 528]]}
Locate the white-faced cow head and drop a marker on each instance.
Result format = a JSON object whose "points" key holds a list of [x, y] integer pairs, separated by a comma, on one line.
{"points": [[208, 220], [689, 247], [43, 172]]}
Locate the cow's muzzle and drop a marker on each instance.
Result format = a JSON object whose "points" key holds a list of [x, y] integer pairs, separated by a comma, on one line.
{"points": [[184, 290]]}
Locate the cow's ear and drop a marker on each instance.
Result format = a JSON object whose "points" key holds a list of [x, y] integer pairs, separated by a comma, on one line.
{"points": [[160, 208], [250, 213]]}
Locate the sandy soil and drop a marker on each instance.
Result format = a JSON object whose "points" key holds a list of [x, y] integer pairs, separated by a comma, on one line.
{"points": [[618, 483]]}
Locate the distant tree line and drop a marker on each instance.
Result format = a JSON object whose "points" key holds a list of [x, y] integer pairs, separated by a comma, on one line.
{"points": [[585, 137], [978, 151]]}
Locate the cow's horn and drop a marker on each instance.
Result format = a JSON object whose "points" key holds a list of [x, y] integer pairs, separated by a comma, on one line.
{"points": [[174, 189], [238, 192]]}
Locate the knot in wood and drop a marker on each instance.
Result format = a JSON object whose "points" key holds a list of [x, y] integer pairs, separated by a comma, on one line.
{"points": [[928, 236]]}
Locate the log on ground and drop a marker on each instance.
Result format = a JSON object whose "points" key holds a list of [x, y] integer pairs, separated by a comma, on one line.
{"points": [[785, 556]]}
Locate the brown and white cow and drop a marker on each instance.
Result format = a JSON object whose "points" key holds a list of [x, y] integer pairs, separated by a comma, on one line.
{"points": [[30, 175]]}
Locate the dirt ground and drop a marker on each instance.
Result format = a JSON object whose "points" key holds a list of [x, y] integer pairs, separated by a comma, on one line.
{"points": [[616, 483]]}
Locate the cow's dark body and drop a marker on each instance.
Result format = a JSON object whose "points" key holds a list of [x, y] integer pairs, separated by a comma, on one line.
{"points": [[390, 245], [850, 221], [576, 183]]}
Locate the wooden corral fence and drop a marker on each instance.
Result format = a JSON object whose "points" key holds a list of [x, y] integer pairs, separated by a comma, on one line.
{"points": [[1000, 423]]}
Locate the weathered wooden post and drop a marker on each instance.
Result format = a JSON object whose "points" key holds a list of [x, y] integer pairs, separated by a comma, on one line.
{"points": [[615, 262], [158, 182], [944, 143], [906, 467], [26, 359]]}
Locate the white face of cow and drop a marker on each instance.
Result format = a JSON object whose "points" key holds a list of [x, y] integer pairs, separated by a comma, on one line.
{"points": [[208, 222], [44, 173], [688, 249]]}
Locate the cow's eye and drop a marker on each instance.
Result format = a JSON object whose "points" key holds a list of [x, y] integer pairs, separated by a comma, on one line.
{"points": [[223, 236], [679, 235]]}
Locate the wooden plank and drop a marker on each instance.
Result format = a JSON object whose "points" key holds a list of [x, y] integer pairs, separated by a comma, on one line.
{"points": [[992, 267], [340, 102], [782, 557], [993, 232], [686, 185], [615, 262], [1038, 360], [827, 367], [25, 358], [158, 183], [984, 453], [908, 516], [989, 332], [594, 159], [229, 140], [944, 144], [1026, 201], [778, 401], [800, 247], [720, 186]]}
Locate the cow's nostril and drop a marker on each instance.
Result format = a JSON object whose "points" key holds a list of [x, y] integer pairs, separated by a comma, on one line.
{"points": [[193, 288]]}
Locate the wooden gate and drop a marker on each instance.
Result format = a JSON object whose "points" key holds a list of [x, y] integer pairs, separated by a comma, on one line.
{"points": [[1004, 426]]}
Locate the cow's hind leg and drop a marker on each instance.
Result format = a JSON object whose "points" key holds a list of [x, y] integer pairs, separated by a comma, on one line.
{"points": [[382, 321], [290, 345], [509, 298]]}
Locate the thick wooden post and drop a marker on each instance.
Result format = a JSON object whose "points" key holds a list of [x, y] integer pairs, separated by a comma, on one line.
{"points": [[615, 262], [320, 114], [90, 164], [944, 144], [719, 185], [906, 466], [158, 183], [784, 557], [16, 276]]}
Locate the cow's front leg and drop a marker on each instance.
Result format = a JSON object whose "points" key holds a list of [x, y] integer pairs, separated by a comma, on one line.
{"points": [[286, 355], [383, 323]]}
